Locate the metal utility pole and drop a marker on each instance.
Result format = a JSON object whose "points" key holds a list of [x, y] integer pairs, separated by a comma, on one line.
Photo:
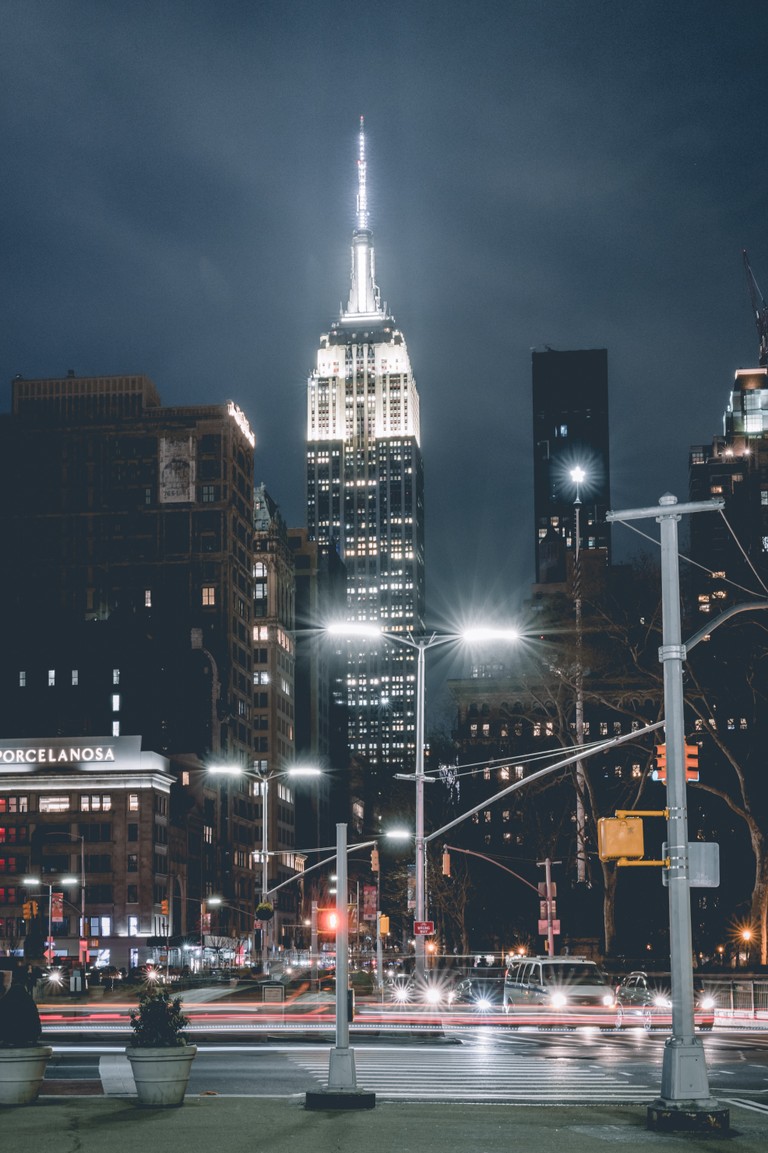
{"points": [[685, 1101]]}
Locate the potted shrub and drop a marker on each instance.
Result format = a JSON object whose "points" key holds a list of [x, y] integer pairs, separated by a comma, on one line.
{"points": [[23, 1056], [160, 1056]]}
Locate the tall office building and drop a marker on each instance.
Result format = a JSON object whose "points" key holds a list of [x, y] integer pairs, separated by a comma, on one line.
{"points": [[131, 606], [732, 553], [570, 430], [365, 496]]}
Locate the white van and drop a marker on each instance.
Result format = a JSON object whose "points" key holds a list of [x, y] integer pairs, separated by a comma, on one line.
{"points": [[562, 989]]}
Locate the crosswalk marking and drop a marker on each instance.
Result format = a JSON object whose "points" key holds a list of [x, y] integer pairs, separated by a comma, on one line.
{"points": [[496, 1077], [753, 1106]]}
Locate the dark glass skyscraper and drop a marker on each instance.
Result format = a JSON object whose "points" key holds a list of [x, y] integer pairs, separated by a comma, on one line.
{"points": [[570, 430]]}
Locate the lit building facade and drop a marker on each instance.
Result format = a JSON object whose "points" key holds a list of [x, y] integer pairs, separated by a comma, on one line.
{"points": [[130, 610], [365, 496], [735, 468]]}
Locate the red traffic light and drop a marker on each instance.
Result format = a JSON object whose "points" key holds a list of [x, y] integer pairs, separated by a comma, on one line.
{"points": [[327, 921]]}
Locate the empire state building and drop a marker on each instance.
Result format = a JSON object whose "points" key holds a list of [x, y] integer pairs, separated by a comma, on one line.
{"points": [[365, 496]]}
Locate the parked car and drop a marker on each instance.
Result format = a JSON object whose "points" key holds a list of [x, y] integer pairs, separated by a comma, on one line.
{"points": [[559, 991], [645, 1000]]}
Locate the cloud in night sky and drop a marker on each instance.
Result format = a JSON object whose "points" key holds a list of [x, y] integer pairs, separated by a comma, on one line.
{"points": [[178, 199]]}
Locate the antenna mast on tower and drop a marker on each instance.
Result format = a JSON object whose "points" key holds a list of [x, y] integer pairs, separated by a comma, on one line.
{"points": [[759, 310], [362, 193]]}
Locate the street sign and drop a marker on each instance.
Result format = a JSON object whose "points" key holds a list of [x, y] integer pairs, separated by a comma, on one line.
{"points": [[423, 928], [544, 928]]}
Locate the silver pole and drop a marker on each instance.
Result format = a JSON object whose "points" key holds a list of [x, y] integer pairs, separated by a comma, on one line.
{"points": [[421, 848], [684, 1070], [684, 1083], [341, 1068], [265, 871]]}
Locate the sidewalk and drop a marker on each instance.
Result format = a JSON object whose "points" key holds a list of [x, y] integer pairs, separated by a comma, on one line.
{"points": [[249, 1125]]}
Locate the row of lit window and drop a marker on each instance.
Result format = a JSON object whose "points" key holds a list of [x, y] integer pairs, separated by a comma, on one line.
{"points": [[62, 803]]}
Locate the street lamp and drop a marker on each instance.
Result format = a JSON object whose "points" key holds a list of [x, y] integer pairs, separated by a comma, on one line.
{"points": [[30, 881], [578, 476], [264, 780], [83, 947], [351, 629]]}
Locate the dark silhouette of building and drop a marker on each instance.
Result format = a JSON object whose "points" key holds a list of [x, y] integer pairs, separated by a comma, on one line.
{"points": [[570, 430]]}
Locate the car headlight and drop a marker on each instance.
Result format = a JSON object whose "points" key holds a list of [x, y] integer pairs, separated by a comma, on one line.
{"points": [[707, 1003], [558, 1000], [432, 996], [662, 1002], [483, 1004], [401, 994], [609, 1000]]}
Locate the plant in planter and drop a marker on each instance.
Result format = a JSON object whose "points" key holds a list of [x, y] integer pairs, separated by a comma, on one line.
{"points": [[264, 911], [160, 1055], [23, 1056]]}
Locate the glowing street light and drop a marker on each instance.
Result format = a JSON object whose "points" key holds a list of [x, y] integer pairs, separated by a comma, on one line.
{"points": [[420, 644], [264, 779], [36, 881]]}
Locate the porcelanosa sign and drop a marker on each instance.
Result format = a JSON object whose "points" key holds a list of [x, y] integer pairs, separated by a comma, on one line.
{"points": [[52, 756], [60, 753]]}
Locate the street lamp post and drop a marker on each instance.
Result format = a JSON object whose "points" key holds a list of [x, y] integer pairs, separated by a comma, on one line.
{"points": [[578, 477], [685, 1100], [264, 780], [30, 881], [83, 936], [420, 646]]}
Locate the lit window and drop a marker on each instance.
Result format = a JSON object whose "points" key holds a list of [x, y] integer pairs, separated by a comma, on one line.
{"points": [[147, 598], [115, 676], [22, 680], [54, 804], [75, 677], [51, 678], [133, 802], [115, 702], [209, 595], [115, 728]]}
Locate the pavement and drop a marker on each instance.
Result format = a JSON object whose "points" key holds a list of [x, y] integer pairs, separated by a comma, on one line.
{"points": [[207, 1124]]}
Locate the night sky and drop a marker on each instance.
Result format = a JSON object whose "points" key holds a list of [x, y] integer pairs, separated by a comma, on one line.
{"points": [[178, 199]]}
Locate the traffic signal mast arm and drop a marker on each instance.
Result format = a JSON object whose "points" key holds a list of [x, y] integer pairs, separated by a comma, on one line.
{"points": [[482, 856], [580, 755], [319, 864]]}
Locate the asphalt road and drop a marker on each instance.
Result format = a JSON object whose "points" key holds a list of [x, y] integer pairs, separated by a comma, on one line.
{"points": [[470, 1064]]}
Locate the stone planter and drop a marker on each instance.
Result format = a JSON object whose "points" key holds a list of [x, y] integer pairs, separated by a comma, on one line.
{"points": [[161, 1074], [21, 1073]]}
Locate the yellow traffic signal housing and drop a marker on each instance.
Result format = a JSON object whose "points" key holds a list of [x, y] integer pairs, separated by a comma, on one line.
{"points": [[383, 924], [691, 762], [26, 911], [164, 908], [446, 863], [660, 772], [375, 860], [619, 837]]}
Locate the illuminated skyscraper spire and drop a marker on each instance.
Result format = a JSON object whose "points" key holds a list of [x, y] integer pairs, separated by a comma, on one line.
{"points": [[364, 296], [365, 499], [362, 194]]}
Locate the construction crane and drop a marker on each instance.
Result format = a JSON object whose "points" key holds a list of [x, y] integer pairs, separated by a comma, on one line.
{"points": [[759, 310]]}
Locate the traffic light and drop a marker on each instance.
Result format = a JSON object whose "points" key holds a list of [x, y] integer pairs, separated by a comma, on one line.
{"points": [[383, 924], [691, 762], [660, 772], [26, 911], [619, 837], [446, 863], [164, 908], [375, 859], [327, 920]]}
